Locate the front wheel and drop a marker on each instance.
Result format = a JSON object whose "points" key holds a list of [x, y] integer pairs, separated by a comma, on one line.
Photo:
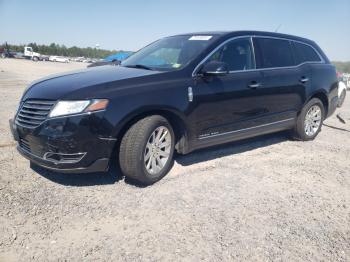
{"points": [[309, 121], [146, 150]]}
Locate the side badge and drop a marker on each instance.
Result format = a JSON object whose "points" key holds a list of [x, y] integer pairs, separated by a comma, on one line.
{"points": [[190, 94]]}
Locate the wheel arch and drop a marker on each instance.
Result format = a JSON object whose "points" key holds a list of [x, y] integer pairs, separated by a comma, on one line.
{"points": [[175, 118], [322, 95]]}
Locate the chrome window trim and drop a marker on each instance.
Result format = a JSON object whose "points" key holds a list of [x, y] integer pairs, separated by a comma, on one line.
{"points": [[253, 50], [195, 71]]}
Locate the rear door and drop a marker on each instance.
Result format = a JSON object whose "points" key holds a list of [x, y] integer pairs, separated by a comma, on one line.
{"points": [[284, 80], [308, 58]]}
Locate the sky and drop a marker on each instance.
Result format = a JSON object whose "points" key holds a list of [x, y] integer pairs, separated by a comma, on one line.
{"points": [[131, 24]]}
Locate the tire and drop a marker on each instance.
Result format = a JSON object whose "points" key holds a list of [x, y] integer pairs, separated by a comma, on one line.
{"points": [[136, 142], [300, 131], [35, 58], [342, 98]]}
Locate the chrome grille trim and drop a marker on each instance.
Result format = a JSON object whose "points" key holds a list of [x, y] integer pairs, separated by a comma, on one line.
{"points": [[37, 102], [34, 112], [32, 106], [43, 113], [33, 117]]}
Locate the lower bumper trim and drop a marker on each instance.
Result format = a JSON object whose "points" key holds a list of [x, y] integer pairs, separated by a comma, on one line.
{"points": [[100, 165]]}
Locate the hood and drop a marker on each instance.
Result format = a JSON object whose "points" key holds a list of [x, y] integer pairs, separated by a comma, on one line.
{"points": [[60, 86]]}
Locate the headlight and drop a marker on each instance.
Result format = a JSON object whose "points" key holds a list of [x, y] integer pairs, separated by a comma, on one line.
{"points": [[63, 108]]}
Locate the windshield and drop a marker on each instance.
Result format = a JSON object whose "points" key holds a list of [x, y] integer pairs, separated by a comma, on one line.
{"points": [[169, 53]]}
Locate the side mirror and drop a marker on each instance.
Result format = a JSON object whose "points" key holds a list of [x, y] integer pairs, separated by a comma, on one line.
{"points": [[215, 68]]}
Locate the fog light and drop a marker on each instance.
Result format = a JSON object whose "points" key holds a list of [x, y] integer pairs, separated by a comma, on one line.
{"points": [[59, 158]]}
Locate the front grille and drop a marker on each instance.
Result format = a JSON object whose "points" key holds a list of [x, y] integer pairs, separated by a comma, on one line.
{"points": [[33, 112], [24, 144]]}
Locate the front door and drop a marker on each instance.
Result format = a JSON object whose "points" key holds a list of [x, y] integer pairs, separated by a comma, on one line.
{"points": [[236, 101]]}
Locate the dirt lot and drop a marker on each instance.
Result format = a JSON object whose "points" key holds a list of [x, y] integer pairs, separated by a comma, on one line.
{"points": [[262, 199]]}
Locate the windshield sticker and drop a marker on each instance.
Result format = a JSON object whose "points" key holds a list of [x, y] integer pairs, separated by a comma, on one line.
{"points": [[176, 65], [200, 37]]}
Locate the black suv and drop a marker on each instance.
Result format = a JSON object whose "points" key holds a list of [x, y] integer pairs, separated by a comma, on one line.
{"points": [[180, 93]]}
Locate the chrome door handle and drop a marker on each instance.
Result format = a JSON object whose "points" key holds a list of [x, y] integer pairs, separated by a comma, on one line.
{"points": [[254, 85], [304, 80], [190, 94]]}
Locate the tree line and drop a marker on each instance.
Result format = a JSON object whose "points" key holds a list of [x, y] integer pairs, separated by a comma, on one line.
{"points": [[343, 67], [62, 50], [74, 51]]}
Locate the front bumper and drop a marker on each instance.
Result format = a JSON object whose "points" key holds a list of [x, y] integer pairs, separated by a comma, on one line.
{"points": [[74, 144], [100, 165]]}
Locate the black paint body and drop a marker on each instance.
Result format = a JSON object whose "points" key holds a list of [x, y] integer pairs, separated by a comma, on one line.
{"points": [[223, 109]]}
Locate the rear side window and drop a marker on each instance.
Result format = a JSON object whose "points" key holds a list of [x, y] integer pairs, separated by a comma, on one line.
{"points": [[304, 53], [273, 53]]}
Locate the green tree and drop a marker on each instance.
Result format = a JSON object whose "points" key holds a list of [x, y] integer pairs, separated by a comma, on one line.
{"points": [[343, 67], [62, 50]]}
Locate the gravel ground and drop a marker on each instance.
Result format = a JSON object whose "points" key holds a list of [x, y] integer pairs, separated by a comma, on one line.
{"points": [[262, 199]]}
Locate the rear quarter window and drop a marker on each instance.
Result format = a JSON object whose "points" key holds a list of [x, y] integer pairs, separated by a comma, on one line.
{"points": [[304, 53], [273, 53]]}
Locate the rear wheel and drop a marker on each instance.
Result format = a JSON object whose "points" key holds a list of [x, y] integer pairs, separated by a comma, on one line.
{"points": [[342, 98], [146, 150], [309, 121]]}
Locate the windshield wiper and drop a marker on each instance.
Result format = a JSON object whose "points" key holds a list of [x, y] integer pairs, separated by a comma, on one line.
{"points": [[139, 66]]}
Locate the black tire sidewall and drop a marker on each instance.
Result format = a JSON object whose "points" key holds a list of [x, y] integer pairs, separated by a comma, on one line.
{"points": [[147, 177]]}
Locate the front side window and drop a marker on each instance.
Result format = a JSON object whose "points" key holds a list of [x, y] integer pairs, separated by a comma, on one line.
{"points": [[304, 53], [274, 53], [237, 54], [169, 53]]}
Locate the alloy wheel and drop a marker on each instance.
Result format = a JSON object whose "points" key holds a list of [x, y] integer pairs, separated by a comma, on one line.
{"points": [[157, 150], [313, 120]]}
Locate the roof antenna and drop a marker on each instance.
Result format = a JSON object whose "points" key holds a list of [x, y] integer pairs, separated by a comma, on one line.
{"points": [[278, 27]]}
